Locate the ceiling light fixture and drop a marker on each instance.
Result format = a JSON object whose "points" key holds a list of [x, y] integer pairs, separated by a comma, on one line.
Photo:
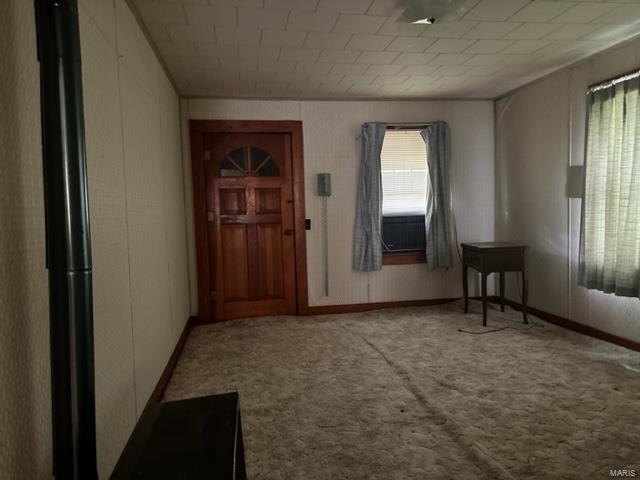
{"points": [[435, 11]]}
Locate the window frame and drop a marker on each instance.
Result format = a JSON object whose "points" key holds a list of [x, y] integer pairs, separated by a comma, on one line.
{"points": [[404, 257]]}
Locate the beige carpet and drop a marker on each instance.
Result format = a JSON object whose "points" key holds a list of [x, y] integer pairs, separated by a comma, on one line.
{"points": [[402, 394]]}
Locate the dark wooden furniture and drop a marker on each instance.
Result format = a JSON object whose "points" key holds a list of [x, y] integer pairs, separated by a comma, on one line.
{"points": [[198, 438], [490, 257]]}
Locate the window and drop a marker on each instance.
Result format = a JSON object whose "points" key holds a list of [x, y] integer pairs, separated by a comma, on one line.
{"points": [[404, 187], [610, 233], [250, 162]]}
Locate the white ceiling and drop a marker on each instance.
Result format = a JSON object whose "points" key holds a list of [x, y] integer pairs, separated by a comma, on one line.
{"points": [[356, 48]]}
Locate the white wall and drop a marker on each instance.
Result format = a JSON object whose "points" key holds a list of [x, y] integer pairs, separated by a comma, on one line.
{"points": [[138, 233], [330, 145], [539, 134]]}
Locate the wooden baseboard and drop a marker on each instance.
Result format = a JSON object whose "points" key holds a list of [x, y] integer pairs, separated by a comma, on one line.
{"points": [[366, 307], [163, 381], [572, 325]]}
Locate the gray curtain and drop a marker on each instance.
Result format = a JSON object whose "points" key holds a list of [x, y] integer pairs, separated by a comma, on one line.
{"points": [[438, 215], [367, 241], [610, 230]]}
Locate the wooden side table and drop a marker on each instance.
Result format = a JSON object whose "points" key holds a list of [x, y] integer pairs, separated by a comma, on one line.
{"points": [[490, 257]]}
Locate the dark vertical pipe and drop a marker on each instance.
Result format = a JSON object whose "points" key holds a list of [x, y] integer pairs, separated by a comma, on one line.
{"points": [[68, 240]]}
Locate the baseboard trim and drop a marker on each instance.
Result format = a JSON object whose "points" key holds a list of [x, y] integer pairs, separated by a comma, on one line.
{"points": [[367, 307], [572, 325], [163, 381]]}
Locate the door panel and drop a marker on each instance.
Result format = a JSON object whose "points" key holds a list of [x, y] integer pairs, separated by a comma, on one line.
{"points": [[233, 201], [235, 261], [270, 266], [249, 183]]}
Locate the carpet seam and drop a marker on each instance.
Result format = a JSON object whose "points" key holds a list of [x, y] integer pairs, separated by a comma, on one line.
{"points": [[476, 453]]}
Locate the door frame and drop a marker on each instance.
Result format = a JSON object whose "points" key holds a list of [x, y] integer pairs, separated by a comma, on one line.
{"points": [[198, 128]]}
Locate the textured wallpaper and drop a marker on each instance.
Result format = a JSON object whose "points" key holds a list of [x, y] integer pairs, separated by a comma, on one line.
{"points": [[25, 412], [136, 199]]}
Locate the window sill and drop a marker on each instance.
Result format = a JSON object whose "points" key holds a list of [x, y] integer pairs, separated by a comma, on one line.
{"points": [[403, 258]]}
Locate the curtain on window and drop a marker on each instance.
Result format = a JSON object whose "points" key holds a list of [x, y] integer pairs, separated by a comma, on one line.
{"points": [[367, 241], [438, 215], [610, 232]]}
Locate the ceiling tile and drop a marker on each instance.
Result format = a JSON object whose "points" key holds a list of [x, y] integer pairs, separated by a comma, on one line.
{"points": [[450, 59], [571, 32], [349, 69], [484, 70], [414, 58], [304, 5], [277, 67], [479, 60], [525, 46], [311, 21], [283, 38], [495, 10], [450, 45], [533, 31], [419, 69], [388, 8], [622, 14], [229, 63], [237, 36], [489, 46], [451, 70], [448, 30], [260, 52], [358, 79], [377, 58], [584, 13], [358, 24], [410, 44], [206, 48], [393, 27], [491, 30], [262, 18], [177, 48], [541, 11], [199, 15], [237, 3], [342, 6], [314, 68], [299, 54], [390, 79], [191, 33], [161, 12], [338, 56], [384, 69], [327, 40], [369, 42], [326, 78]]}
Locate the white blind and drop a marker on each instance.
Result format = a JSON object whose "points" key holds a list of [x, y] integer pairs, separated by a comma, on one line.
{"points": [[404, 173]]}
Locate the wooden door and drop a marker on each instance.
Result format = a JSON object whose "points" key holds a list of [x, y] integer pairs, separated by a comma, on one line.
{"points": [[249, 194]]}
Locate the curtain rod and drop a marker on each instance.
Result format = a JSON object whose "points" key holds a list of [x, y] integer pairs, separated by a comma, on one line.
{"points": [[400, 126], [614, 81], [408, 125]]}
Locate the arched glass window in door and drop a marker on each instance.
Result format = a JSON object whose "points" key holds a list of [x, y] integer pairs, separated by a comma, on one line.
{"points": [[249, 162]]}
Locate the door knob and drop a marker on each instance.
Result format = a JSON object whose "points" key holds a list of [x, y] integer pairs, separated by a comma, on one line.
{"points": [[289, 231]]}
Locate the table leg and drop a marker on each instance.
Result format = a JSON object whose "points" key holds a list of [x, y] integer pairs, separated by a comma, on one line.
{"points": [[525, 294], [484, 299], [502, 291], [465, 288]]}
